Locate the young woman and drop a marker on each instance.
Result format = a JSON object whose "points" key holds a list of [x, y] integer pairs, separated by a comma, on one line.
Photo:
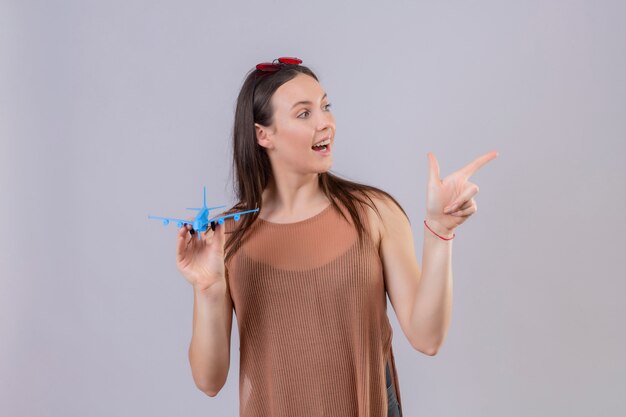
{"points": [[308, 274]]}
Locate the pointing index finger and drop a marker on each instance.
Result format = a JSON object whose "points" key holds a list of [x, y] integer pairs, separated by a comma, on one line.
{"points": [[477, 163]]}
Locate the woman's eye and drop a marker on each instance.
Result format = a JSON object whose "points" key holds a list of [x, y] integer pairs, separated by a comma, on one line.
{"points": [[307, 112]]}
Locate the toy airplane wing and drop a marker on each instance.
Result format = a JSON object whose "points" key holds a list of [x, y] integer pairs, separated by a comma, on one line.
{"points": [[167, 220], [235, 216]]}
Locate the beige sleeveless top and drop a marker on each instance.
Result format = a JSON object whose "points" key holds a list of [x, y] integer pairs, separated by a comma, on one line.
{"points": [[313, 326]]}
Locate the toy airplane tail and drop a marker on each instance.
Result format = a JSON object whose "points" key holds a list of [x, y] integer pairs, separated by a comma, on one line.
{"points": [[204, 204]]}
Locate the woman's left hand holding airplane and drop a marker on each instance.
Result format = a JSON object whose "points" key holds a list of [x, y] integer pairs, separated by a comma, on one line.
{"points": [[449, 202]]}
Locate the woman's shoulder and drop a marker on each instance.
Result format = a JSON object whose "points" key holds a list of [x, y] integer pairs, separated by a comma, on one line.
{"points": [[379, 199], [368, 203], [380, 208]]}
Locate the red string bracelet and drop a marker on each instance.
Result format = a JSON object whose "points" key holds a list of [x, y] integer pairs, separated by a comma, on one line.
{"points": [[441, 237]]}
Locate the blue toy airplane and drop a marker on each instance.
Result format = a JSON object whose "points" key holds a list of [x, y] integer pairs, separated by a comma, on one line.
{"points": [[201, 222]]}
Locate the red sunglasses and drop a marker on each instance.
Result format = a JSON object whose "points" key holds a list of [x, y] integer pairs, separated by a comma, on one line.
{"points": [[274, 66]]}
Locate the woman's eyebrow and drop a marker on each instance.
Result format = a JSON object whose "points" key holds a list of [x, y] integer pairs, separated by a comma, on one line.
{"points": [[306, 102]]}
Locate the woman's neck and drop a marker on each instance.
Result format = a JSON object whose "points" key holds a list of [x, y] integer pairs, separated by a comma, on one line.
{"points": [[292, 198]]}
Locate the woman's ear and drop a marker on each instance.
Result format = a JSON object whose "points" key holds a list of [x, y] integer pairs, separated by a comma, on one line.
{"points": [[263, 137]]}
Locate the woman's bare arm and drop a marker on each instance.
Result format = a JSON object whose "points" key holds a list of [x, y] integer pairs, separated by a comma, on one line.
{"points": [[209, 350]]}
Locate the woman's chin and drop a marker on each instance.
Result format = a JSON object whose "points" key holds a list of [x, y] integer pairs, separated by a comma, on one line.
{"points": [[326, 169]]}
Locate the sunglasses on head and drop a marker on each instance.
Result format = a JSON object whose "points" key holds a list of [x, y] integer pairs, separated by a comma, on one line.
{"points": [[275, 66]]}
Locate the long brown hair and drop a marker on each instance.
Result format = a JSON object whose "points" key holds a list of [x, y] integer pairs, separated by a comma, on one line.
{"points": [[251, 165]]}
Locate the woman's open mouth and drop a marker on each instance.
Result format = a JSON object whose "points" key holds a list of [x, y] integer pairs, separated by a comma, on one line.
{"points": [[323, 149]]}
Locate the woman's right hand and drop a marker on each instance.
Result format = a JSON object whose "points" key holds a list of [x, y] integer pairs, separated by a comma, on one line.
{"points": [[201, 261]]}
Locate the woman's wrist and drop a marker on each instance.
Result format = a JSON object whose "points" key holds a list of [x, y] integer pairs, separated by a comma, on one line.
{"points": [[438, 229], [213, 291]]}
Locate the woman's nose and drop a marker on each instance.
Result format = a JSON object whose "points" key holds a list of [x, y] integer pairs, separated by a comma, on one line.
{"points": [[326, 121]]}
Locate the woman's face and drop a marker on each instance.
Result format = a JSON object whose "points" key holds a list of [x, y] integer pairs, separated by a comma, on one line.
{"points": [[302, 118]]}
